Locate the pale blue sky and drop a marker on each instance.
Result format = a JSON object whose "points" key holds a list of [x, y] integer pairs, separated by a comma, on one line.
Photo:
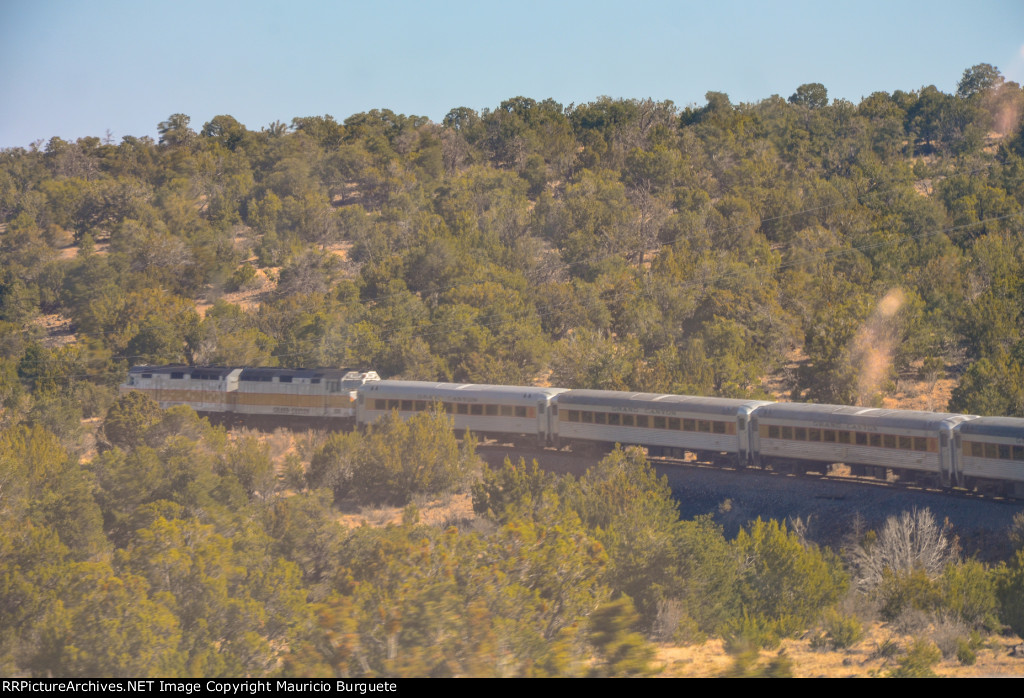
{"points": [[72, 68]]}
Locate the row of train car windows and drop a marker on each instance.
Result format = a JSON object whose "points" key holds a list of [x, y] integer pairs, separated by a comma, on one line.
{"points": [[644, 421], [999, 451], [839, 436], [193, 376], [472, 409]]}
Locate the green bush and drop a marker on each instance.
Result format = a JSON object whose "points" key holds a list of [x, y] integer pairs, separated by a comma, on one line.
{"points": [[917, 663], [965, 653], [841, 630]]}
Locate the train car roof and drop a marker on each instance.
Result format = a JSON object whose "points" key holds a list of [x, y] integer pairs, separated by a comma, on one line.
{"points": [[420, 390], [1006, 427], [667, 403], [192, 371], [255, 374], [843, 415]]}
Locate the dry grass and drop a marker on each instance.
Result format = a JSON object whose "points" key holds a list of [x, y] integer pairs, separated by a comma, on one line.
{"points": [[443, 512], [861, 660]]}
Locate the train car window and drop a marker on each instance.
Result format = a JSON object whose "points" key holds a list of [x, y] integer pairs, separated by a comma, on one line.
{"points": [[462, 408], [627, 420], [394, 404], [743, 422], [773, 432], [990, 450], [814, 435], [476, 410], [673, 423], [1018, 452], [284, 379], [844, 437], [506, 410], [449, 407], [800, 433], [689, 425], [314, 381], [491, 410], [718, 427], [613, 419], [933, 445], [828, 436], [177, 376], [406, 406], [920, 443], [787, 433], [420, 405], [888, 441], [875, 439], [600, 418], [642, 420], [520, 411], [659, 422], [1004, 451], [861, 438], [977, 449], [906, 443], [573, 416], [266, 379], [380, 404], [587, 417], [531, 412], [147, 375], [704, 426]]}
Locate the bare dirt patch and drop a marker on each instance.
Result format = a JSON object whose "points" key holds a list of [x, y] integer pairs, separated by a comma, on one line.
{"points": [[58, 328]]}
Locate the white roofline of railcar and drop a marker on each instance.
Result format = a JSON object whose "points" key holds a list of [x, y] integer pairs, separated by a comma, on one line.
{"points": [[845, 415], [661, 402], [419, 390]]}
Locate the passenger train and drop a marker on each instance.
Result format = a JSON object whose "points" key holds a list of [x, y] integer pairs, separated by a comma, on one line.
{"points": [[933, 449]]}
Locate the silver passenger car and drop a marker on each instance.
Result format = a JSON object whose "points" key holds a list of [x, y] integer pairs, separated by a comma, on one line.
{"points": [[666, 424], [868, 439], [991, 450], [495, 410]]}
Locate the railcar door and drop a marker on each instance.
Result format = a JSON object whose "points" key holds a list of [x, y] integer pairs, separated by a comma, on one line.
{"points": [[742, 440], [949, 450], [543, 422]]}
